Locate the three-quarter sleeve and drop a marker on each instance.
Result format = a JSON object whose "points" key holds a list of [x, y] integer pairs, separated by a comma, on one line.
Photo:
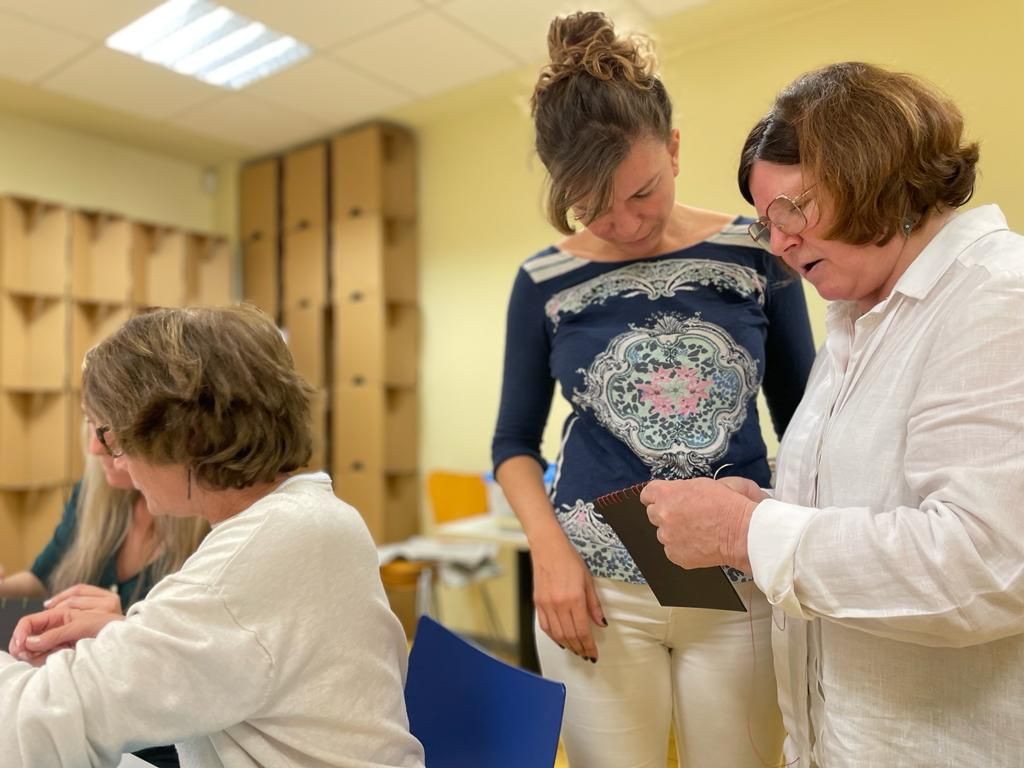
{"points": [[789, 347], [527, 384]]}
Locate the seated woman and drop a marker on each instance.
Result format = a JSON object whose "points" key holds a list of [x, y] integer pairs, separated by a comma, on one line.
{"points": [[274, 644], [108, 551]]}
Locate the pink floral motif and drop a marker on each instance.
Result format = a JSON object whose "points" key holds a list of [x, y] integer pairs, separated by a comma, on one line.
{"points": [[674, 391]]}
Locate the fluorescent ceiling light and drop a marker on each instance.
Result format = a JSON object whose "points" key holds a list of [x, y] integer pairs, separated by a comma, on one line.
{"points": [[201, 39]]}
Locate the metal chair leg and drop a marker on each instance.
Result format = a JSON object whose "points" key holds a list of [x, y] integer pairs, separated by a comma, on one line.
{"points": [[492, 615]]}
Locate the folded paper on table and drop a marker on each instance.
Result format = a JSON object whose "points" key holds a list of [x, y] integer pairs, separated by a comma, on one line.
{"points": [[672, 585]]}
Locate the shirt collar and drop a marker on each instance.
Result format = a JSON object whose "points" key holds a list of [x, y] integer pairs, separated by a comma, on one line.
{"points": [[959, 233], [962, 230]]}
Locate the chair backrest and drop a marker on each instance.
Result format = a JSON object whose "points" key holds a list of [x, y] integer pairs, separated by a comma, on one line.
{"points": [[471, 710], [454, 495]]}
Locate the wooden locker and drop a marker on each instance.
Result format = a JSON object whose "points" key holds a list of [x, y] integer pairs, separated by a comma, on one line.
{"points": [[33, 247], [305, 328], [375, 428], [90, 324], [373, 171], [375, 342], [209, 271], [258, 201], [33, 354], [374, 254], [305, 189], [101, 258], [304, 267], [260, 278]]}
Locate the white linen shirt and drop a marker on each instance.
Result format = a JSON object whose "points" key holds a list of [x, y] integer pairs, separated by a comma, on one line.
{"points": [[893, 549], [273, 647]]}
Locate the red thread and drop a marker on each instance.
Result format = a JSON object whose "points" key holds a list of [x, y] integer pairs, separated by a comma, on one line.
{"points": [[623, 493]]}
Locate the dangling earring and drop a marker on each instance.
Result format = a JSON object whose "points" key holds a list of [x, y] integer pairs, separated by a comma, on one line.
{"points": [[189, 491]]}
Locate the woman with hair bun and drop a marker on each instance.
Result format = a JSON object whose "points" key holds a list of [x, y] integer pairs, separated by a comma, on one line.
{"points": [[660, 323]]}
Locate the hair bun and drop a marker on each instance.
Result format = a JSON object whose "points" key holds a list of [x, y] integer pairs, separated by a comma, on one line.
{"points": [[585, 43]]}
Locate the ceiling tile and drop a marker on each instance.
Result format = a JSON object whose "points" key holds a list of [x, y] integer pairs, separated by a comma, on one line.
{"points": [[129, 84], [329, 91], [321, 24], [521, 28], [426, 54], [244, 119], [90, 18], [29, 50]]}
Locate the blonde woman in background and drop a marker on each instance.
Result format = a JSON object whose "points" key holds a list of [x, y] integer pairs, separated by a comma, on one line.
{"points": [[106, 543], [108, 551]]}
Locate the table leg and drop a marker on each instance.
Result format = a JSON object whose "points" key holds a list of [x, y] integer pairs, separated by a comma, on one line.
{"points": [[527, 642]]}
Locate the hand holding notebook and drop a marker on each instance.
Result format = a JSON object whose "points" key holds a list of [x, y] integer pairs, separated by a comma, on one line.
{"points": [[672, 585]]}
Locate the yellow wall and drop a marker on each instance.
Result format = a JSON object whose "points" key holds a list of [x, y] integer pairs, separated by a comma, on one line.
{"points": [[44, 161], [480, 184]]}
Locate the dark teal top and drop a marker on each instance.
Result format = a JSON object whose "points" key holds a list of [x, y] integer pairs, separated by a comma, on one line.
{"points": [[130, 591]]}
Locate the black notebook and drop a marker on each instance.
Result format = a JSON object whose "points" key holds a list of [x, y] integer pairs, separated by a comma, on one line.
{"points": [[11, 611], [673, 586]]}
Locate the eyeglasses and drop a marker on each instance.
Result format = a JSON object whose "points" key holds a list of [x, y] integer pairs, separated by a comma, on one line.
{"points": [[785, 214], [109, 441]]}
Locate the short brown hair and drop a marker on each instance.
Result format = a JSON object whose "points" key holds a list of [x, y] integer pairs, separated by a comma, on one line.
{"points": [[596, 96], [211, 388], [886, 147]]}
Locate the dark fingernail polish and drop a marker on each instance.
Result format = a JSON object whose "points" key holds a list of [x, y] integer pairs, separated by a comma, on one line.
{"points": [[560, 646], [604, 621], [593, 661]]}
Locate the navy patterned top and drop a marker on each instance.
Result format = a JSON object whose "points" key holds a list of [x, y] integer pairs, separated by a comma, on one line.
{"points": [[661, 360]]}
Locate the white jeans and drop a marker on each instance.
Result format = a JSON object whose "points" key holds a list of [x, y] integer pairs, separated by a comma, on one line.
{"points": [[709, 671]]}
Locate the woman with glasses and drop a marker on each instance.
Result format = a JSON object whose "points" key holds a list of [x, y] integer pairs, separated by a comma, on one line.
{"points": [[892, 546], [660, 323], [274, 644]]}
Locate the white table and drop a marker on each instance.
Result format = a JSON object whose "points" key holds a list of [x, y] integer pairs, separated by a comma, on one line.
{"points": [[499, 531]]}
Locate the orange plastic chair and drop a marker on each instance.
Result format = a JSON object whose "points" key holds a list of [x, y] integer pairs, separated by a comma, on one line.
{"points": [[454, 495]]}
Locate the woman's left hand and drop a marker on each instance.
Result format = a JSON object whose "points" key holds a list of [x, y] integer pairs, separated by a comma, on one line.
{"points": [[40, 634], [701, 522]]}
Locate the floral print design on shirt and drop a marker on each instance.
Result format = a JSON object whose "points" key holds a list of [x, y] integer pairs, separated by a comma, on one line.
{"points": [[656, 280], [675, 393]]}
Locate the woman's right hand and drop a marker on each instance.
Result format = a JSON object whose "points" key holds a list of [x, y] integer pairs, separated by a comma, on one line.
{"points": [[86, 597], [564, 596]]}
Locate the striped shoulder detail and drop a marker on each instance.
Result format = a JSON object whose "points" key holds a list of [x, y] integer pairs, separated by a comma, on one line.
{"points": [[734, 234], [549, 265]]}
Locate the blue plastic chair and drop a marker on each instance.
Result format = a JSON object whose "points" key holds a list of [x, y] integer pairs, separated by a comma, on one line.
{"points": [[471, 710]]}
